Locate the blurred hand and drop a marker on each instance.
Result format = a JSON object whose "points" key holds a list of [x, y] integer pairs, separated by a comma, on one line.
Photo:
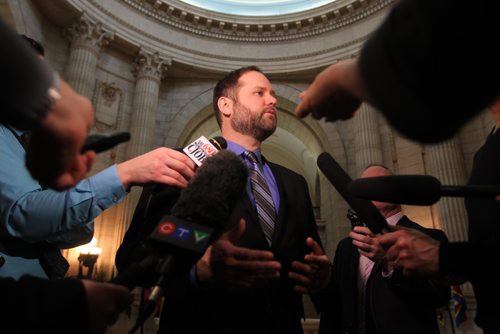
{"points": [[414, 252], [336, 93], [162, 165], [53, 155], [314, 273], [105, 301], [239, 266], [367, 244]]}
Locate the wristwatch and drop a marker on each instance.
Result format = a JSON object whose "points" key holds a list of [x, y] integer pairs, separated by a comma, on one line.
{"points": [[35, 114], [53, 95]]}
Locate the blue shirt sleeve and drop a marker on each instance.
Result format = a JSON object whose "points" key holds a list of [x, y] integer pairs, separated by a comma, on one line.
{"points": [[32, 214]]}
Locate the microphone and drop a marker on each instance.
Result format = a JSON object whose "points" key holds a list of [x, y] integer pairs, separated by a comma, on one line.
{"points": [[414, 189], [203, 148], [340, 180], [101, 142], [145, 257], [198, 218]]}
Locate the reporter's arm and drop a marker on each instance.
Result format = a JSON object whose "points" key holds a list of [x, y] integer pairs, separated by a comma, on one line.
{"points": [[336, 93], [33, 305], [22, 200], [162, 165], [53, 156], [417, 71]]}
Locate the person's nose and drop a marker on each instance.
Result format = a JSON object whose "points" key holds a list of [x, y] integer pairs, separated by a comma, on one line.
{"points": [[272, 100]]}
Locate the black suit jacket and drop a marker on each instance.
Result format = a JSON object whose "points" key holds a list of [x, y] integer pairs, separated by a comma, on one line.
{"points": [[394, 305], [267, 308]]}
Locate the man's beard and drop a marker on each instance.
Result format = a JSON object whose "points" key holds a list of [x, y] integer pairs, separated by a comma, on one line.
{"points": [[248, 123]]}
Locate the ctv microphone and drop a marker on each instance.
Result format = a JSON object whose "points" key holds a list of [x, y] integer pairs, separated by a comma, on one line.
{"points": [[203, 148], [340, 179], [414, 189], [198, 218]]}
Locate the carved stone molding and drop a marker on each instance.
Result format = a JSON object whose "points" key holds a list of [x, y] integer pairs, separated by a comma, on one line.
{"points": [[285, 48], [240, 28], [86, 33], [151, 65], [108, 102]]}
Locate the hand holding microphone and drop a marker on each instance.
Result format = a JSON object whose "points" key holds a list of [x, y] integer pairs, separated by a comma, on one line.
{"points": [[198, 217], [340, 180], [162, 165], [176, 169]]}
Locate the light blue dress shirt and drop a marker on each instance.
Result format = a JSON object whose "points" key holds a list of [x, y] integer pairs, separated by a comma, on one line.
{"points": [[31, 214]]}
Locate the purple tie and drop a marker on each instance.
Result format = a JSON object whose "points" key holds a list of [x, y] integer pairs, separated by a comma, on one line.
{"points": [[263, 199]]}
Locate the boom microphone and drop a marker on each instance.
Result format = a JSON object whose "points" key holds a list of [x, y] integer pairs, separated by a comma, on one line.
{"points": [[198, 218], [340, 179], [414, 189]]}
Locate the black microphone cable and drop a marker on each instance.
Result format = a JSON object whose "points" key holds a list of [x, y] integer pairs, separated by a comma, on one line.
{"points": [[164, 268]]}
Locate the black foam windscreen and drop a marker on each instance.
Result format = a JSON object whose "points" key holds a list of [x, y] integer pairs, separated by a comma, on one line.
{"points": [[415, 189], [210, 196], [402, 189]]}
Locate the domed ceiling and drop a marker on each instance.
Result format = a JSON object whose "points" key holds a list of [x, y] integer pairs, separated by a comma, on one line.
{"points": [[258, 7], [312, 35]]}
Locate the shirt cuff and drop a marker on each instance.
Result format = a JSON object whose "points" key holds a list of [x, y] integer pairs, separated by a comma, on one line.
{"points": [[107, 187], [386, 273]]}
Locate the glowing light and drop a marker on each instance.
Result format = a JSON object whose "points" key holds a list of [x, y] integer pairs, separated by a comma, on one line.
{"points": [[90, 248]]}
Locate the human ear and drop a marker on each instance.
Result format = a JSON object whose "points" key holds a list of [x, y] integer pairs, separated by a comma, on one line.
{"points": [[225, 105]]}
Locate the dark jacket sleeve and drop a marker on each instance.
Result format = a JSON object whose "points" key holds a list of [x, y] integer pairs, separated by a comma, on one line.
{"points": [[417, 70], [466, 259], [25, 81], [34, 305], [154, 203], [337, 303]]}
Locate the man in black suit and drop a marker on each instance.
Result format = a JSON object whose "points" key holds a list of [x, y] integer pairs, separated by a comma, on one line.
{"points": [[251, 279], [367, 295]]}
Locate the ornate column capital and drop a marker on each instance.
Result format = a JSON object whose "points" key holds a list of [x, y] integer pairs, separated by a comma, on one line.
{"points": [[86, 33], [151, 65]]}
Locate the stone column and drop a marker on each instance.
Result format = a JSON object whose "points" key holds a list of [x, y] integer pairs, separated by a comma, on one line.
{"points": [[367, 144], [87, 38], [447, 164], [150, 68]]}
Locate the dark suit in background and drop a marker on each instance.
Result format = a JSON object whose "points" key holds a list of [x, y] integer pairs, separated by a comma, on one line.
{"points": [[394, 305], [484, 235]]}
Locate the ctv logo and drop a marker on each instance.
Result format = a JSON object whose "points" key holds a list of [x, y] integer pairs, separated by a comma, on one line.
{"points": [[179, 232]]}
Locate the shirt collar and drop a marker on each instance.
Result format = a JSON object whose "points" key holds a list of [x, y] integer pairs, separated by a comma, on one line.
{"points": [[393, 220], [239, 150]]}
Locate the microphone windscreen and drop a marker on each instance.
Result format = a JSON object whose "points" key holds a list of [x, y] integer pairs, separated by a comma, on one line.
{"points": [[211, 194], [340, 179], [400, 189]]}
